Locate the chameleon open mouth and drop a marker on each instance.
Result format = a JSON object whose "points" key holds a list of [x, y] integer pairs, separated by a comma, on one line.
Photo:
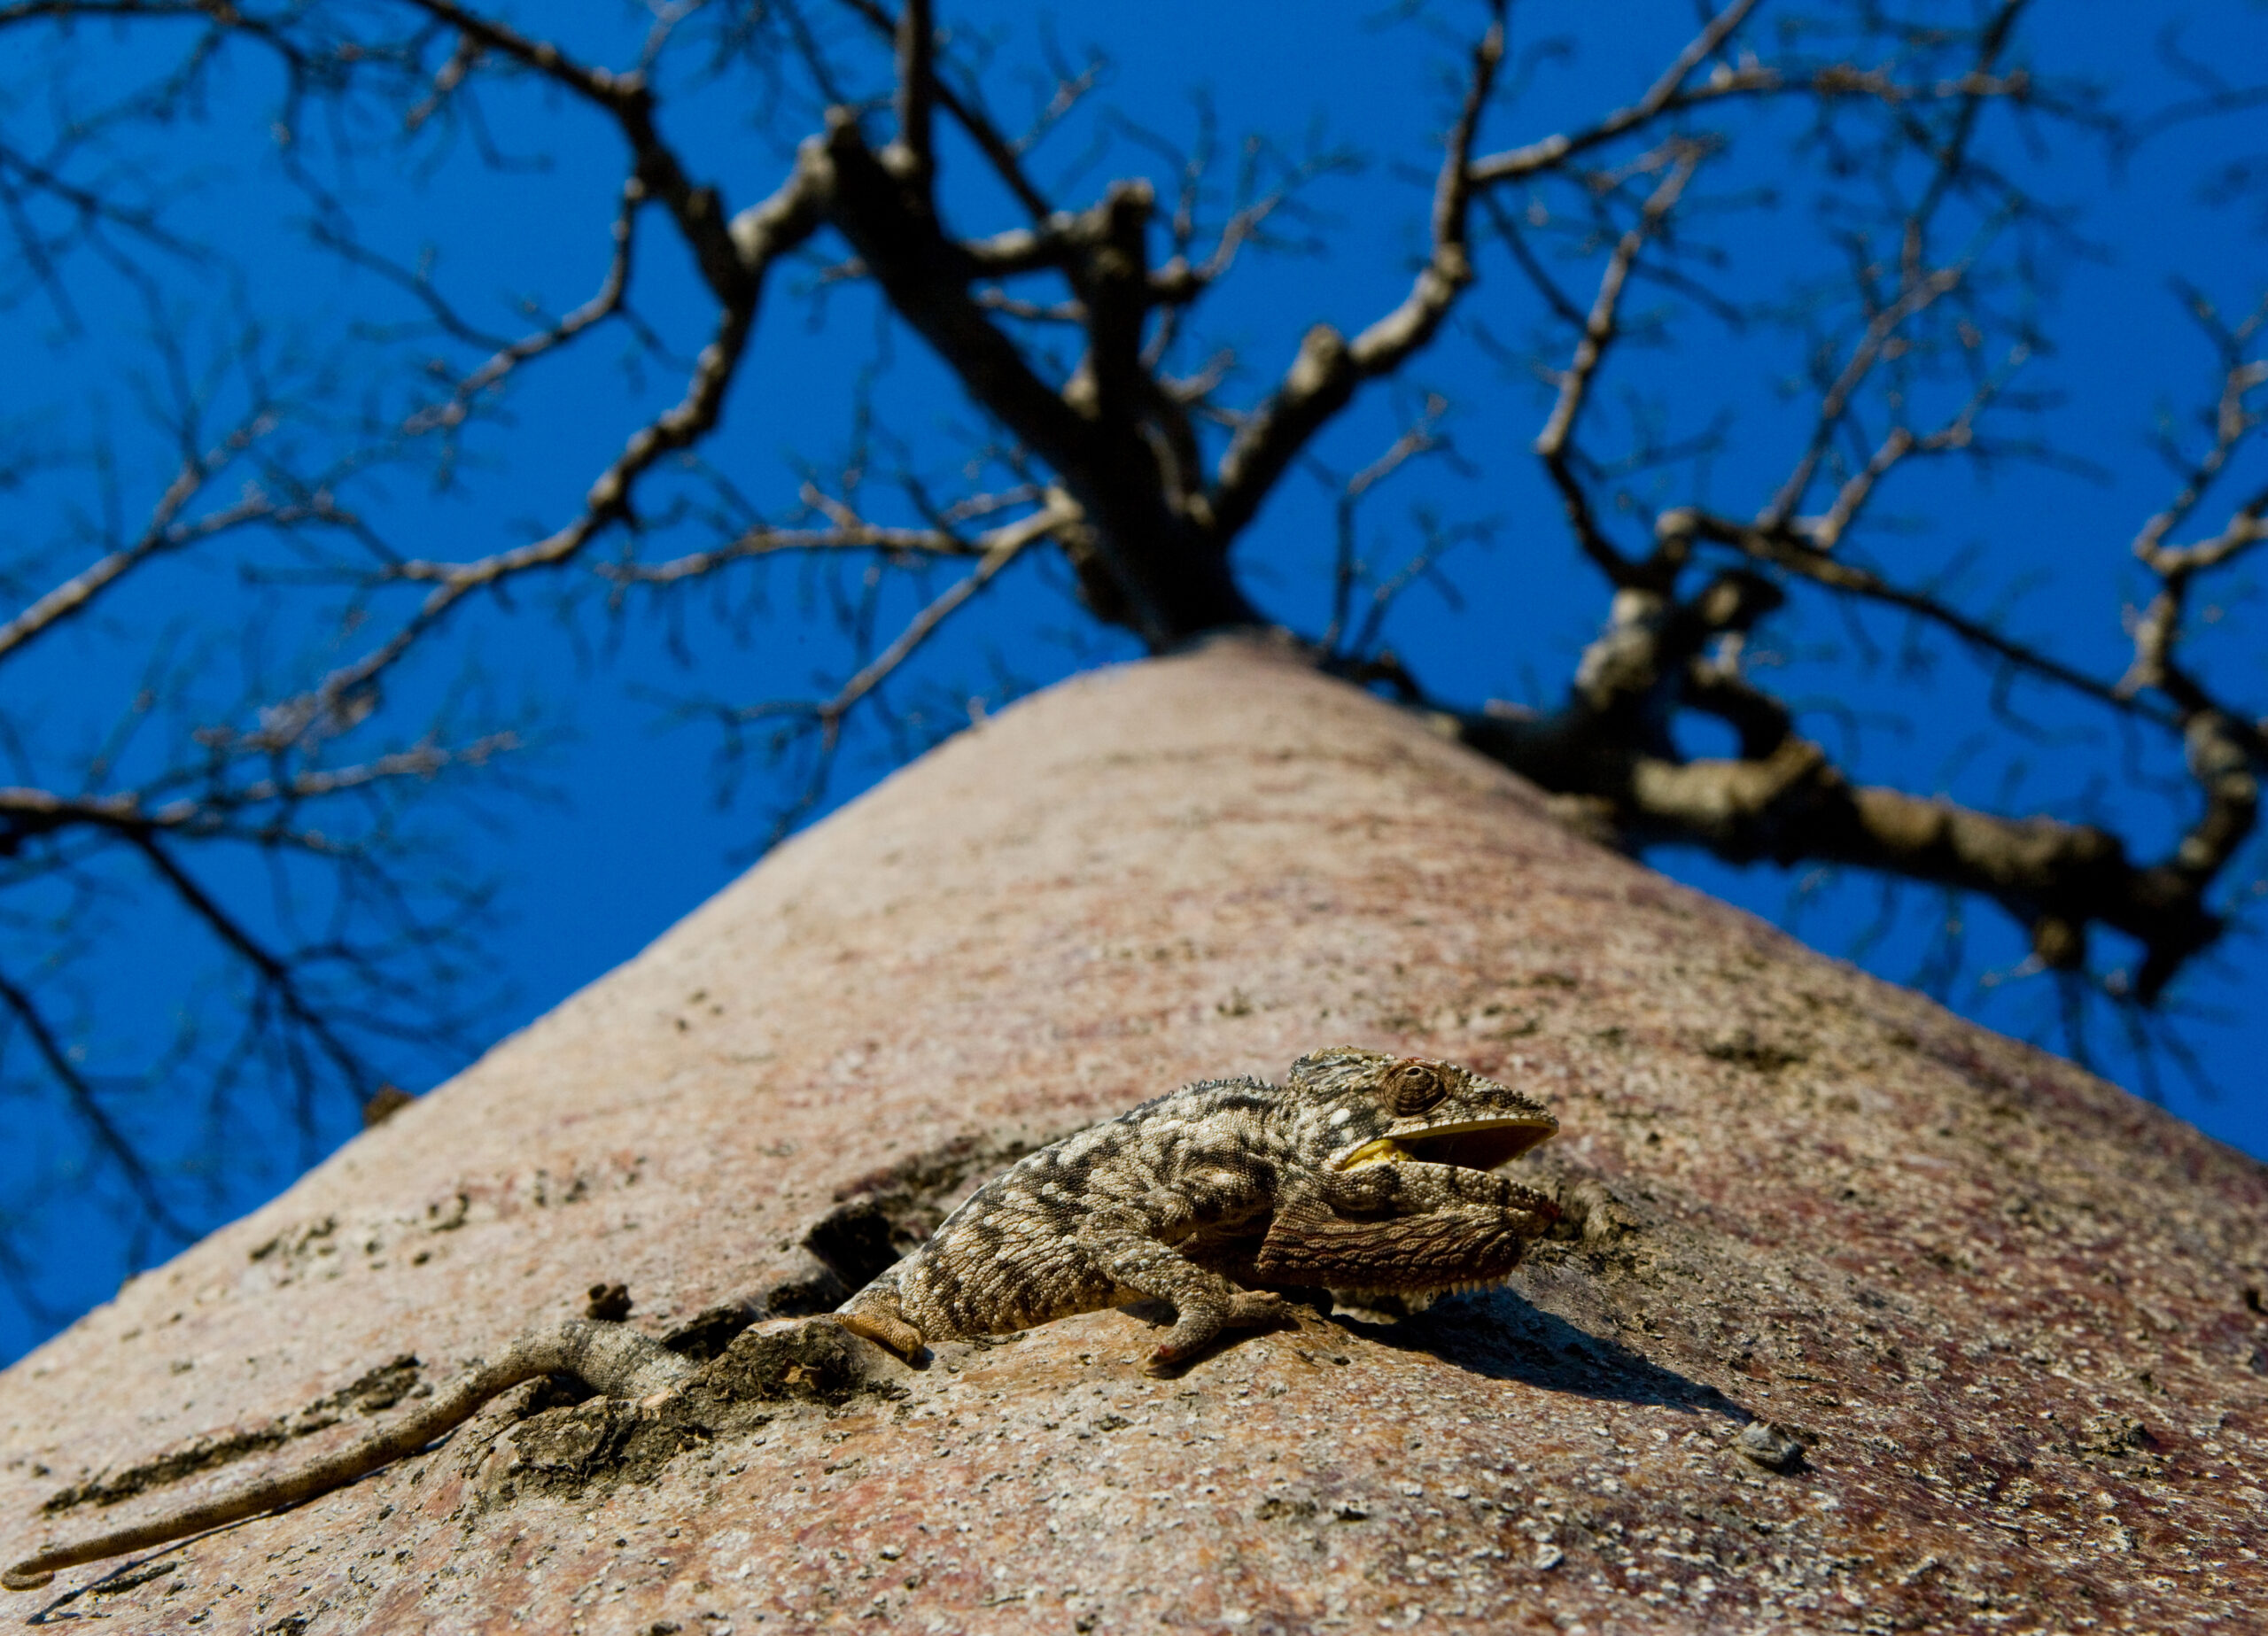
{"points": [[1478, 1144]]}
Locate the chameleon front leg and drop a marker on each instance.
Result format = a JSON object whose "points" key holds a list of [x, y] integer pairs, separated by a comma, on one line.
{"points": [[1410, 1228], [609, 1358], [1127, 1245], [1412, 1187]]}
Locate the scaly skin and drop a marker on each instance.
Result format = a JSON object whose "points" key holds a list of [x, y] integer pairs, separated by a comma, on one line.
{"points": [[1321, 1183]]}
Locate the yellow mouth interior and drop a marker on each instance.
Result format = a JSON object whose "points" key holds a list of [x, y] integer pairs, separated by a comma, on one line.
{"points": [[1378, 1150], [1481, 1145]]}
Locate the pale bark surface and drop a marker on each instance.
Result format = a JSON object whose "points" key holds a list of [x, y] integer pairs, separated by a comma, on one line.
{"points": [[2012, 1314]]}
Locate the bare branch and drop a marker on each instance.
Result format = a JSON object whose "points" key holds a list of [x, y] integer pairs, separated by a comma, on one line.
{"points": [[277, 970], [1325, 375], [1667, 95], [1784, 550], [605, 303], [1671, 95], [911, 155], [1785, 801], [169, 531], [1001, 154], [761, 236], [87, 1106], [762, 542], [213, 804], [1553, 445], [629, 101], [1001, 547], [1916, 297]]}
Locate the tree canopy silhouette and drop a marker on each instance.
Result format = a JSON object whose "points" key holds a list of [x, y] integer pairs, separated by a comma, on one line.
{"points": [[1743, 319]]}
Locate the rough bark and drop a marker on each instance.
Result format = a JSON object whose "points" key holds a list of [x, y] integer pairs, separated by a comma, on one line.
{"points": [[2005, 1319]]}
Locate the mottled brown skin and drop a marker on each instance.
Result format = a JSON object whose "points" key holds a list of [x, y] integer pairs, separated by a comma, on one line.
{"points": [[1365, 1174]]}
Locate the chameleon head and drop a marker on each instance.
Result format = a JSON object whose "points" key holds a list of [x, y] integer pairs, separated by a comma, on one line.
{"points": [[1364, 1107]]}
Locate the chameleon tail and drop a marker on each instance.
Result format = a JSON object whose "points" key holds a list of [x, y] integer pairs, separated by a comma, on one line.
{"points": [[609, 1358]]}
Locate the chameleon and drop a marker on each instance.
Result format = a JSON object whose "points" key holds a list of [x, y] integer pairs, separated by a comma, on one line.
{"points": [[1365, 1174]]}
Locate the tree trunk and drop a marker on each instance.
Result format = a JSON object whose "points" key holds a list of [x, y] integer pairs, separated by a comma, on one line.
{"points": [[1864, 1318]]}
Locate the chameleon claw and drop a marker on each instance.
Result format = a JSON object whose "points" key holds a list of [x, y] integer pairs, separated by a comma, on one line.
{"points": [[885, 1329], [1259, 1309]]}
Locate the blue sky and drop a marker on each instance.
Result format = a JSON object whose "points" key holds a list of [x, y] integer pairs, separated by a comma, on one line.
{"points": [[614, 828]]}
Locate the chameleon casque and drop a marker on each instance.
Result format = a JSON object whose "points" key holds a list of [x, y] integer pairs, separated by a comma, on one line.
{"points": [[1366, 1173]]}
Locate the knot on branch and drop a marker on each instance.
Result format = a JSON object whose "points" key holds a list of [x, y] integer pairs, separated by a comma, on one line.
{"points": [[1129, 204], [1741, 808], [303, 720], [1624, 662], [1736, 600], [1322, 363], [2223, 768], [1648, 661]]}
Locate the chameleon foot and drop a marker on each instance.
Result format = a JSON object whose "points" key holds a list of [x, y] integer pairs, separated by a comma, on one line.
{"points": [[1252, 1309], [884, 1330]]}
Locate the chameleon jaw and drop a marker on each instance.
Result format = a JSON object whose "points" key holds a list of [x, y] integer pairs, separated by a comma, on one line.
{"points": [[1470, 1144]]}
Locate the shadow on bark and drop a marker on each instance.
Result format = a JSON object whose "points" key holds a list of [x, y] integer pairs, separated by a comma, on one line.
{"points": [[1499, 1334]]}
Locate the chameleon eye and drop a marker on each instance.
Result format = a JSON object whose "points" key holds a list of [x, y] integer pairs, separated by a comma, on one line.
{"points": [[1413, 1087]]}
